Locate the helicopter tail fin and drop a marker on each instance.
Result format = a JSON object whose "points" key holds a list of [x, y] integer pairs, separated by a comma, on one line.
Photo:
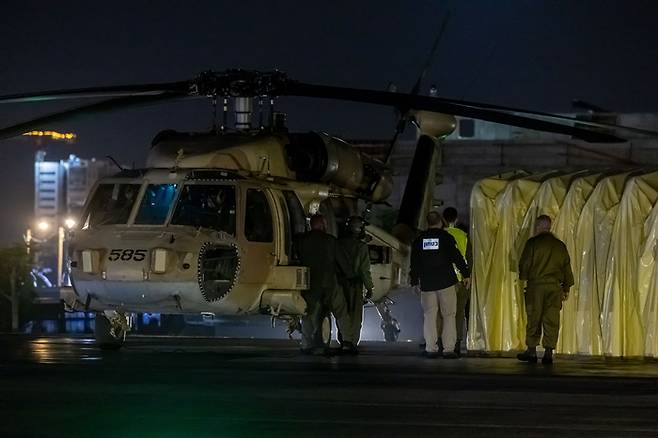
{"points": [[418, 193]]}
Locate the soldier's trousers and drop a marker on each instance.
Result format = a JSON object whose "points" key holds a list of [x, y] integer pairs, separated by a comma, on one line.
{"points": [[319, 303], [543, 303], [460, 317], [433, 302], [354, 302]]}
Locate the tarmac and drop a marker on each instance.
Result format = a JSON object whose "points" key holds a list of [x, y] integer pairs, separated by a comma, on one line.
{"points": [[177, 386]]}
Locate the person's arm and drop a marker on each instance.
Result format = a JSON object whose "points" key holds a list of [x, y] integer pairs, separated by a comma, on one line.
{"points": [[567, 279], [415, 259], [526, 261], [364, 268], [457, 258]]}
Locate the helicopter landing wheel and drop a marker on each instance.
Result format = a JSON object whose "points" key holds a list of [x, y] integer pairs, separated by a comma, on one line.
{"points": [[110, 331]]}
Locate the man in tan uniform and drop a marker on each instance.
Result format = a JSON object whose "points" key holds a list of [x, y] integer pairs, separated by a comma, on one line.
{"points": [[546, 267], [320, 252], [357, 252]]}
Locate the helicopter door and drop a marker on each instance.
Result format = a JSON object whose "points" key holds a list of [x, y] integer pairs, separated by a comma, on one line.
{"points": [[258, 235]]}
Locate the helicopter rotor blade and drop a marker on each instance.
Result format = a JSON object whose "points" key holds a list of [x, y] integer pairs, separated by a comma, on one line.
{"points": [[89, 110], [252, 83], [555, 117], [96, 92], [445, 106]]}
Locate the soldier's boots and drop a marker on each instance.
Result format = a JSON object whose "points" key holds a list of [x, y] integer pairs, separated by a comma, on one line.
{"points": [[349, 348], [315, 351], [431, 354], [458, 348], [530, 355], [547, 359]]}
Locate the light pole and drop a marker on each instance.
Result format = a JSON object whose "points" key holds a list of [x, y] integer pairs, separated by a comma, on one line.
{"points": [[62, 251], [43, 227]]}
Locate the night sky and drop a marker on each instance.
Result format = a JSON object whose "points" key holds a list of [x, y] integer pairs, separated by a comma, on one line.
{"points": [[532, 54]]}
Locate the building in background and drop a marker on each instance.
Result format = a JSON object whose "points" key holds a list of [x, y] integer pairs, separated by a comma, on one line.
{"points": [[60, 190]]}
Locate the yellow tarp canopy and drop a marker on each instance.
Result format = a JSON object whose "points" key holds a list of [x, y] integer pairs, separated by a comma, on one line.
{"points": [[609, 223]]}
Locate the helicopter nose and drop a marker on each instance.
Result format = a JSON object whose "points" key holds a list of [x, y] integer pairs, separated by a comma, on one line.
{"points": [[218, 270]]}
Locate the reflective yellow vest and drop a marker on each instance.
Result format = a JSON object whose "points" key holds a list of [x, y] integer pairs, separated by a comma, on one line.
{"points": [[462, 240]]}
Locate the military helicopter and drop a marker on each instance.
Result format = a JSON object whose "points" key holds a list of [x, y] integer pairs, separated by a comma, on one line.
{"points": [[209, 224]]}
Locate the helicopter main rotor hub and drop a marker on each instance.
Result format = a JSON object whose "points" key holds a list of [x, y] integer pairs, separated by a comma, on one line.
{"points": [[238, 83]]}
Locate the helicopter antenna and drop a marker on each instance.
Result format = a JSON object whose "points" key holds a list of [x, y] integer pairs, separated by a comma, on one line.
{"points": [[116, 163]]}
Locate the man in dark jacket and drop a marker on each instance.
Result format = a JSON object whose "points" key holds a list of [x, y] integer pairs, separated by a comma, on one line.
{"points": [[546, 267], [356, 251], [320, 252], [434, 256]]}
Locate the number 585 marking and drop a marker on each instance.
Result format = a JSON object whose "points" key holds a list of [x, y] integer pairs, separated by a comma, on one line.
{"points": [[136, 255]]}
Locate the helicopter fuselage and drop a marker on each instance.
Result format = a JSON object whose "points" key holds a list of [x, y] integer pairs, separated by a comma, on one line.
{"points": [[186, 240]]}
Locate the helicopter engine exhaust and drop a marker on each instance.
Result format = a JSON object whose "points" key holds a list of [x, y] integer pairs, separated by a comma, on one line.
{"points": [[322, 158]]}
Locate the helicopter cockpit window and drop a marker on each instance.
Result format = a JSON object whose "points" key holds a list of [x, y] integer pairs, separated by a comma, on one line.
{"points": [[206, 206], [258, 217], [111, 204], [156, 204]]}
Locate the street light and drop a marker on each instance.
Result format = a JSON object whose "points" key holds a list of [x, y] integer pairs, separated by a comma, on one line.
{"points": [[70, 223], [61, 231], [43, 226]]}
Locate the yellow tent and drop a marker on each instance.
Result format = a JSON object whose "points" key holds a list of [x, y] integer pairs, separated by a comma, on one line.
{"points": [[609, 223], [594, 233], [564, 227], [484, 223], [505, 319], [623, 304], [648, 283]]}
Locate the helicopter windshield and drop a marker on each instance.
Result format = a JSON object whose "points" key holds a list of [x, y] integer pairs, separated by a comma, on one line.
{"points": [[206, 206], [156, 204], [111, 204]]}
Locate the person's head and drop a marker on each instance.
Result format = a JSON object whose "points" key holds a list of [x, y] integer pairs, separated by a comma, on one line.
{"points": [[129, 193], [356, 226], [220, 197], [434, 220], [318, 222], [450, 215], [543, 224]]}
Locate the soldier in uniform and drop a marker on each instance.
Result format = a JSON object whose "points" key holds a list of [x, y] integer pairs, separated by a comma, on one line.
{"points": [[434, 255], [546, 268], [357, 252], [320, 252]]}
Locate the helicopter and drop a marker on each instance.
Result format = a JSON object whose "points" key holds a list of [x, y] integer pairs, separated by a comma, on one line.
{"points": [[209, 224]]}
